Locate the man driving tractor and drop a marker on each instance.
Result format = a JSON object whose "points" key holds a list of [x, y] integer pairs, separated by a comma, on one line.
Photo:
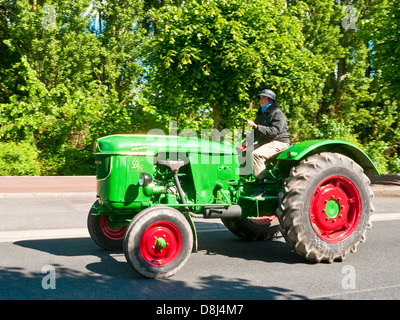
{"points": [[271, 132]]}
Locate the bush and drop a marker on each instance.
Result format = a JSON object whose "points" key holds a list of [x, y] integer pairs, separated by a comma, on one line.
{"points": [[78, 162], [377, 150], [336, 129], [394, 164], [18, 159]]}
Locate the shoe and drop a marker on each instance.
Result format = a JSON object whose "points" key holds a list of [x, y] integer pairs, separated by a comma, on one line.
{"points": [[260, 189], [258, 193]]}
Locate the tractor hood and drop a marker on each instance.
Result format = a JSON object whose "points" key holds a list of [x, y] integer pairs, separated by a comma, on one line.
{"points": [[129, 144]]}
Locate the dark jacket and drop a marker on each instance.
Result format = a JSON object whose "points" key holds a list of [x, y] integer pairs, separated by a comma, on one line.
{"points": [[272, 125]]}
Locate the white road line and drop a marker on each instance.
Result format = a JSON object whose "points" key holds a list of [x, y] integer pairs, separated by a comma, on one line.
{"points": [[354, 292], [10, 236], [385, 216], [21, 235]]}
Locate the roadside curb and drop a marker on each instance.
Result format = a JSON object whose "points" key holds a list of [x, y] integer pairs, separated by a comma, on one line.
{"points": [[48, 195], [36, 185], [381, 191], [378, 190], [386, 191]]}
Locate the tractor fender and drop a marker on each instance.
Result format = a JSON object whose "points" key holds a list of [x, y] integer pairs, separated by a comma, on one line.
{"points": [[307, 148]]}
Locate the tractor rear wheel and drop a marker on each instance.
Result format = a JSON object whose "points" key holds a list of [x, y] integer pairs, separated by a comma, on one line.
{"points": [[325, 207], [158, 242]]}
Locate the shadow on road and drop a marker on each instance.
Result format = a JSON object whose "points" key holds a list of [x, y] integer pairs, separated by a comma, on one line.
{"points": [[110, 276], [226, 244]]}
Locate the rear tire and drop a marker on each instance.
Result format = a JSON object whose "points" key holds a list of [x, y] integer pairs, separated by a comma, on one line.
{"points": [[325, 207]]}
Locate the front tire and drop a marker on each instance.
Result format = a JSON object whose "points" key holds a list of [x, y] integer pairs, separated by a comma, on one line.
{"points": [[325, 207], [158, 242]]}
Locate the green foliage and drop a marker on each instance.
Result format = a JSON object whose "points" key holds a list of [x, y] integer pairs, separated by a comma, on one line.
{"points": [[67, 85], [394, 164], [105, 67], [377, 150], [331, 128], [18, 159], [212, 57]]}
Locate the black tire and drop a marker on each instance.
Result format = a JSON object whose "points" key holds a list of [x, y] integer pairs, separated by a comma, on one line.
{"points": [[325, 207], [142, 246], [251, 230], [102, 233]]}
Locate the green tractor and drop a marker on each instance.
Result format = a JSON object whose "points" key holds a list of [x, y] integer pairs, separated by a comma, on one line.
{"points": [[150, 187]]}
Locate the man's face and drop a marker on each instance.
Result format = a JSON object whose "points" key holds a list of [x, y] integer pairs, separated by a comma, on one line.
{"points": [[264, 100]]}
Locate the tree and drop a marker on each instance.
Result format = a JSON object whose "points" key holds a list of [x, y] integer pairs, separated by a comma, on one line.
{"points": [[213, 57], [71, 71], [65, 83], [382, 132]]}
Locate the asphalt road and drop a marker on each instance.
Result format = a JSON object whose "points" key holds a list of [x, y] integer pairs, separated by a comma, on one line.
{"points": [[223, 268], [46, 253]]}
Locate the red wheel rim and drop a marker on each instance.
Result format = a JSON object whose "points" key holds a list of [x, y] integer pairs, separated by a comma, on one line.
{"points": [[335, 209], [111, 233], [161, 243]]}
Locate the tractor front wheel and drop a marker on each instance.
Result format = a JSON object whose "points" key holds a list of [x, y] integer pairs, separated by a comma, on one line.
{"points": [[325, 207], [158, 242]]}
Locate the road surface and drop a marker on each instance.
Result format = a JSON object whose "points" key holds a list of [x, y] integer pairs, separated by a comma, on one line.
{"points": [[47, 254]]}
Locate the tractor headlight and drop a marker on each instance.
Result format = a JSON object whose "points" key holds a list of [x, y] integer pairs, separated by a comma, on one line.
{"points": [[145, 179]]}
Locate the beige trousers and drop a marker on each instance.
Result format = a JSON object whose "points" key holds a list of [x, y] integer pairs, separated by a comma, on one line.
{"points": [[263, 153]]}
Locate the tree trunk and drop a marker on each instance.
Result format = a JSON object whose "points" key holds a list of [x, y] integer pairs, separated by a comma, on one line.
{"points": [[216, 116]]}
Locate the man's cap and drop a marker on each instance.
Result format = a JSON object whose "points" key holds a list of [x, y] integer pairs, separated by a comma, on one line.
{"points": [[268, 93]]}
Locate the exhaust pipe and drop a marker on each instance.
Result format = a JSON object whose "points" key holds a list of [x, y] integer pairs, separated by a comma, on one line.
{"points": [[234, 211]]}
